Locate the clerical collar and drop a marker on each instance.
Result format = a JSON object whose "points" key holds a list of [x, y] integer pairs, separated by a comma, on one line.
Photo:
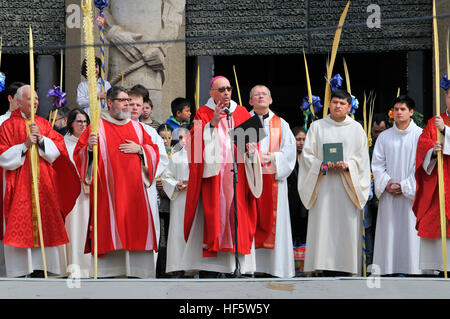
{"points": [[262, 117], [104, 114]]}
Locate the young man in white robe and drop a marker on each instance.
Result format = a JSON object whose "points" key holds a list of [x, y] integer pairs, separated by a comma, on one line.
{"points": [[335, 199], [175, 181], [396, 249], [274, 248]]}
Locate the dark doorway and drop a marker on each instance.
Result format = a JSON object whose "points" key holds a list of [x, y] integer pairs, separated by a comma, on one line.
{"points": [[382, 73], [16, 68]]}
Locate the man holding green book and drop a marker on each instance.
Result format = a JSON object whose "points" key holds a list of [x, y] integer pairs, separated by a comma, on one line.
{"points": [[334, 184]]}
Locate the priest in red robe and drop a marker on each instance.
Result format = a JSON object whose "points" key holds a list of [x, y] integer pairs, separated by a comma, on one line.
{"points": [[426, 201], [127, 164], [59, 187], [209, 226]]}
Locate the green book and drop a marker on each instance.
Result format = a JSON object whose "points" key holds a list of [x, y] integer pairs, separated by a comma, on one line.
{"points": [[332, 152]]}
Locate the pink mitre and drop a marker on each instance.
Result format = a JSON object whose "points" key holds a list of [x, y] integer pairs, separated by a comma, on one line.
{"points": [[214, 79]]}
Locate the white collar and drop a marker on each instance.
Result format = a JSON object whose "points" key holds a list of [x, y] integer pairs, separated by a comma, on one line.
{"points": [[71, 137], [104, 114]]}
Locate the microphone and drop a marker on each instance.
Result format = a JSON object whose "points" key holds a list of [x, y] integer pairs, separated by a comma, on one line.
{"points": [[227, 112]]}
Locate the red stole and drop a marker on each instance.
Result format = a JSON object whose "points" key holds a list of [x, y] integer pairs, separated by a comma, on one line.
{"points": [[426, 201], [267, 202], [59, 187], [209, 189]]}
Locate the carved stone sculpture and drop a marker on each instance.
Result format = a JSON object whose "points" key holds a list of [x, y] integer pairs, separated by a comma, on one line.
{"points": [[135, 21]]}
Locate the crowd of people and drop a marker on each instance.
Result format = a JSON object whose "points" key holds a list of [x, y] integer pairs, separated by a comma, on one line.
{"points": [[181, 199]]}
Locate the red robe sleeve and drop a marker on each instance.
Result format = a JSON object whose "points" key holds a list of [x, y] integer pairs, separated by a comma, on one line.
{"points": [[426, 201], [67, 181]]}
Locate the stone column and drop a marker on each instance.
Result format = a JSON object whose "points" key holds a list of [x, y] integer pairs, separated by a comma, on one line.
{"points": [[175, 83], [72, 57], [206, 64], [46, 77]]}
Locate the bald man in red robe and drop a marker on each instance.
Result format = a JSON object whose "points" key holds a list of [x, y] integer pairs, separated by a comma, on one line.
{"points": [[209, 213]]}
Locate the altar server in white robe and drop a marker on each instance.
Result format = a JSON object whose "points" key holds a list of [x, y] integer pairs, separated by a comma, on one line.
{"points": [[78, 263], [174, 181], [273, 240], [336, 199], [396, 249]]}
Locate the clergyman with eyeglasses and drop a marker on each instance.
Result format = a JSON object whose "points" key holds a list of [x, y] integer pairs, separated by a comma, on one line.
{"points": [[209, 226]]}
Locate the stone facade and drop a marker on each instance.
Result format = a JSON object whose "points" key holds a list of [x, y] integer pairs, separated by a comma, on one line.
{"points": [[224, 18], [45, 17]]}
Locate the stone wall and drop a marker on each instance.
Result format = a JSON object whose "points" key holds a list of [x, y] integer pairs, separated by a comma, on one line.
{"points": [[45, 17], [288, 21]]}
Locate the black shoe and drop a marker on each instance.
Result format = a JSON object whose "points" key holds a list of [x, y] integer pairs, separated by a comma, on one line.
{"points": [[37, 274]]}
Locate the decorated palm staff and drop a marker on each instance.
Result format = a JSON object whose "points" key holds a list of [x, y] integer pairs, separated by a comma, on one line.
{"points": [[57, 95], [311, 104], [59, 100], [443, 219], [428, 207], [237, 85], [336, 83], [310, 109], [2, 75], [88, 29], [330, 64], [34, 160], [371, 101], [197, 88], [100, 21], [347, 76]]}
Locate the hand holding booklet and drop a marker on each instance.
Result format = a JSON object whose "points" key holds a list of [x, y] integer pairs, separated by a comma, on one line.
{"points": [[250, 131], [332, 152]]}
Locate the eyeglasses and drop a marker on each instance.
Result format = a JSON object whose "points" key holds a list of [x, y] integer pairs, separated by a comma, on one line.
{"points": [[260, 94], [223, 88], [81, 121], [122, 99]]}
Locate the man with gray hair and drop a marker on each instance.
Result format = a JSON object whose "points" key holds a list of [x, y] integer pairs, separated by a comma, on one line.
{"points": [[273, 239], [20, 233], [127, 163]]}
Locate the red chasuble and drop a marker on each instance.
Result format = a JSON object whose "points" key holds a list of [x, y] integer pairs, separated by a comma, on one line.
{"points": [[59, 187], [268, 201], [212, 193], [426, 201], [123, 210]]}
